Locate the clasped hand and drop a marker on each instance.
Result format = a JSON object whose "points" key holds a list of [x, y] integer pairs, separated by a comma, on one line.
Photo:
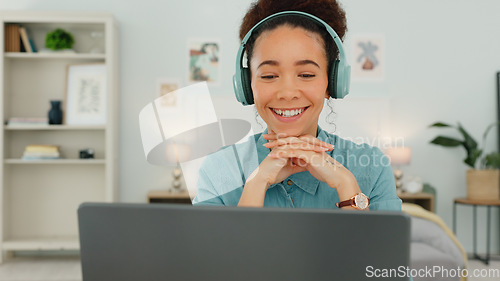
{"points": [[290, 155]]}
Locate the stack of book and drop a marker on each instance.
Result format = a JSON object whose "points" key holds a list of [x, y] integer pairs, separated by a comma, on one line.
{"points": [[28, 121], [18, 40], [41, 152]]}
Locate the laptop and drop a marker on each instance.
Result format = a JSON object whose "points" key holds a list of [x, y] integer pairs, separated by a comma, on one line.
{"points": [[143, 242]]}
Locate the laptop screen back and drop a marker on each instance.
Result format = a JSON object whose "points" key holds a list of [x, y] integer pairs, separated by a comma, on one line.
{"points": [[175, 242]]}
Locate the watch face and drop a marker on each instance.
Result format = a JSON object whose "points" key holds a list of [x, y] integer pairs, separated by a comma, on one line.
{"points": [[361, 201]]}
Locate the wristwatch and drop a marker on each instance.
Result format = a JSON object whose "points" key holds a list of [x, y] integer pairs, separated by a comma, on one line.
{"points": [[358, 201]]}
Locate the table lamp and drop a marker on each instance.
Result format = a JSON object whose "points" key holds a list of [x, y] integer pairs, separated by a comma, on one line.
{"points": [[177, 153], [398, 156], [187, 131]]}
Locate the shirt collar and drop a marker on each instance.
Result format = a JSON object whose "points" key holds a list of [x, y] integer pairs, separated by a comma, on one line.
{"points": [[303, 180]]}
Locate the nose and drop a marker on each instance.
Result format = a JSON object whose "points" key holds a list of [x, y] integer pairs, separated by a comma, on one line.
{"points": [[288, 90]]}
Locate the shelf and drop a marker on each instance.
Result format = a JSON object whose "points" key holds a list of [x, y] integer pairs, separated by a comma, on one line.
{"points": [[40, 198], [57, 243], [18, 55], [56, 162], [52, 127]]}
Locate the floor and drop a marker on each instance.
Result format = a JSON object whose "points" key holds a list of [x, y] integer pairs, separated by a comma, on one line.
{"points": [[494, 266], [68, 269], [41, 269]]}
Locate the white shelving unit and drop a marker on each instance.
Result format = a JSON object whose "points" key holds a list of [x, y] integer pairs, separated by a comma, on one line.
{"points": [[39, 199]]}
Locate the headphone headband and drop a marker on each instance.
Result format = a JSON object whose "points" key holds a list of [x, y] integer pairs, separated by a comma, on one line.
{"points": [[319, 21], [338, 84]]}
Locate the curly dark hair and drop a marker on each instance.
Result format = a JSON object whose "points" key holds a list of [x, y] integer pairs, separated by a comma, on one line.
{"points": [[328, 10]]}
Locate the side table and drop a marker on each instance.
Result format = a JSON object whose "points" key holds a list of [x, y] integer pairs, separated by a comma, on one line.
{"points": [[426, 200], [164, 196], [474, 204]]}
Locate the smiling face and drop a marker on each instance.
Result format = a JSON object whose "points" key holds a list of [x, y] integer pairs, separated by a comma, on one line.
{"points": [[289, 79]]}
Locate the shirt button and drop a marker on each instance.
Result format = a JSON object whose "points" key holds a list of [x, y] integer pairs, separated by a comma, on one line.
{"points": [[289, 182]]}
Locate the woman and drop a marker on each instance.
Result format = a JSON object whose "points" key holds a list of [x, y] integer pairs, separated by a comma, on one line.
{"points": [[291, 59]]}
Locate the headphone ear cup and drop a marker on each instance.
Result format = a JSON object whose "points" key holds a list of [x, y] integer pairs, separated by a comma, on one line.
{"points": [[342, 79], [242, 87], [246, 85], [338, 85], [332, 80], [238, 91]]}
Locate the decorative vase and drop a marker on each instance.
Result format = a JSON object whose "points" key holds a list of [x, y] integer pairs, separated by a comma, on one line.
{"points": [[55, 112]]}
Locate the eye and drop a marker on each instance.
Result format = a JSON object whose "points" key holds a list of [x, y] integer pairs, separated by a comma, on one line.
{"points": [[268, 77], [307, 75]]}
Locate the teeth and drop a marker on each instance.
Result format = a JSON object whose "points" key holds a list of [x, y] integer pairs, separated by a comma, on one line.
{"points": [[288, 113]]}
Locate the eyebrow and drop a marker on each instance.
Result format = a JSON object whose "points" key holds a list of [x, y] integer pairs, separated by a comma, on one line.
{"points": [[298, 63], [304, 62]]}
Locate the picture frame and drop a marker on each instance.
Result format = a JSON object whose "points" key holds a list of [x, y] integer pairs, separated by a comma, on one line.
{"points": [[368, 57], [86, 87], [167, 91], [204, 60]]}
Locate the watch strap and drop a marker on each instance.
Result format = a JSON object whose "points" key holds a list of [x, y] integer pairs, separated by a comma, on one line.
{"points": [[348, 202], [352, 202]]}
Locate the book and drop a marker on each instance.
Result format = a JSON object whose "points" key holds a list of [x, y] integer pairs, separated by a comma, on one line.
{"points": [[39, 158], [6, 38], [9, 31], [42, 148], [32, 44], [41, 152], [27, 121], [25, 40], [13, 38]]}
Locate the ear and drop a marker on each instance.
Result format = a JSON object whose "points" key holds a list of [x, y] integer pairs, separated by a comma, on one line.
{"points": [[327, 94]]}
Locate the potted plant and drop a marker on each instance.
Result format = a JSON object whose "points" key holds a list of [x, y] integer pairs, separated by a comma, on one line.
{"points": [[59, 39], [483, 179]]}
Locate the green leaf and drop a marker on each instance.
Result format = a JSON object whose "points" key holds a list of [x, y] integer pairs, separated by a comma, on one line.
{"points": [[492, 160], [472, 157], [469, 142], [446, 141], [494, 124], [440, 124]]}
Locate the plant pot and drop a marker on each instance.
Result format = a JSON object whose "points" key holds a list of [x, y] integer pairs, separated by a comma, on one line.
{"points": [[483, 184]]}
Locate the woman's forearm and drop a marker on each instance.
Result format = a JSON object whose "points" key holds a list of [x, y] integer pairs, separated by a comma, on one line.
{"points": [[346, 188], [253, 193]]}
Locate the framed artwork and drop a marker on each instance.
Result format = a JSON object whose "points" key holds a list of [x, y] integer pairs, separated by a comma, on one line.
{"points": [[368, 61], [166, 89], [86, 94], [204, 60]]}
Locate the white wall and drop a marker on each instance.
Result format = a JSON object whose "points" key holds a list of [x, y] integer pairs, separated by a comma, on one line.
{"points": [[442, 57]]}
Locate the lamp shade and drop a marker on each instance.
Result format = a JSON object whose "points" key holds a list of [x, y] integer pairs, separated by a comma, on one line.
{"points": [[399, 155], [189, 130]]}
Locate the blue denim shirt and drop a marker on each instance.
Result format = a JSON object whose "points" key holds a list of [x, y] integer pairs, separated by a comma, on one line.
{"points": [[223, 174]]}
